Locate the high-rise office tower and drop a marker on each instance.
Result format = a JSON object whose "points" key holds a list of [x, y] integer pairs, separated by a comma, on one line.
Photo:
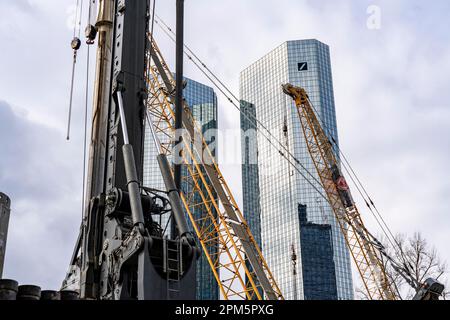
{"points": [[203, 105], [279, 203]]}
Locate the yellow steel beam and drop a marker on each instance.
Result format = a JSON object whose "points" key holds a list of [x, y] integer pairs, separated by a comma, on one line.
{"points": [[222, 231], [367, 258]]}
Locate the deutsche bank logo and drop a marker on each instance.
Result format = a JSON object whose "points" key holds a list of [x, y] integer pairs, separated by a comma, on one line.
{"points": [[303, 66]]}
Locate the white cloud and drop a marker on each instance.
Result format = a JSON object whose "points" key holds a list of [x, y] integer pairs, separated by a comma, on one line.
{"points": [[42, 176]]}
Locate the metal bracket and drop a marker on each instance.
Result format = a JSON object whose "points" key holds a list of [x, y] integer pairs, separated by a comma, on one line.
{"points": [[129, 248]]}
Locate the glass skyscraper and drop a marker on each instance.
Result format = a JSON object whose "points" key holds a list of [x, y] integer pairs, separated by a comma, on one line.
{"points": [[250, 172], [273, 190], [202, 101], [319, 272]]}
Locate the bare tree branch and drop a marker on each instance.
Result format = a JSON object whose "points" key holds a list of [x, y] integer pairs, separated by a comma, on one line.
{"points": [[419, 258]]}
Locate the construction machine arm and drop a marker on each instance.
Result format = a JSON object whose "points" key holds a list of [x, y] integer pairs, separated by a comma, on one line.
{"points": [[367, 252], [431, 289], [368, 259], [222, 231]]}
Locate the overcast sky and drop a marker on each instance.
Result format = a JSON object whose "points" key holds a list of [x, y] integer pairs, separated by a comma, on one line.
{"points": [[392, 102]]}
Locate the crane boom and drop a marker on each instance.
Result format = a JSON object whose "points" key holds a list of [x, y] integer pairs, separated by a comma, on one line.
{"points": [[122, 252], [368, 253], [368, 260], [222, 225]]}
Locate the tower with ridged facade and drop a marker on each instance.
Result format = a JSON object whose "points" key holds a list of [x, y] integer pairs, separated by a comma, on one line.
{"points": [[273, 190]]}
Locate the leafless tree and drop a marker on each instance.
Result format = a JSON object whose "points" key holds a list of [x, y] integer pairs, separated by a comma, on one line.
{"points": [[422, 260]]}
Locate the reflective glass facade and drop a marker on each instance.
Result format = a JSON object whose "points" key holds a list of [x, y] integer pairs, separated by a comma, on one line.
{"points": [[203, 104], [280, 188], [319, 273], [250, 175]]}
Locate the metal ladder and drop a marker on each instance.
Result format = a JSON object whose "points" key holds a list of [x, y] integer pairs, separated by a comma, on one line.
{"points": [[172, 267]]}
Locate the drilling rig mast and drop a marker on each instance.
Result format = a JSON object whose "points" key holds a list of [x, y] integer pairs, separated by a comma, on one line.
{"points": [[122, 252], [5, 209]]}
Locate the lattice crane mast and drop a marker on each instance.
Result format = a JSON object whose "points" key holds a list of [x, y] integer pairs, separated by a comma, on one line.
{"points": [[223, 233], [367, 252]]}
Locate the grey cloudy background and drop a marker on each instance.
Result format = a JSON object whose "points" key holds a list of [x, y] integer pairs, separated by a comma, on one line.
{"points": [[392, 99]]}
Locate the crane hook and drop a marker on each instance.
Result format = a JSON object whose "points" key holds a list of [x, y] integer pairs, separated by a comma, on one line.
{"points": [[76, 45]]}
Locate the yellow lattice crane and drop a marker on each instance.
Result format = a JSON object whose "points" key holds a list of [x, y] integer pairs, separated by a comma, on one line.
{"points": [[367, 252], [227, 242]]}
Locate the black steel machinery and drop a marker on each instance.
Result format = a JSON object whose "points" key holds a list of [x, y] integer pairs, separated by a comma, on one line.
{"points": [[122, 252]]}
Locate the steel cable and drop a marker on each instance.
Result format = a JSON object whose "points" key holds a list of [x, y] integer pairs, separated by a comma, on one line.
{"points": [[267, 137]]}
